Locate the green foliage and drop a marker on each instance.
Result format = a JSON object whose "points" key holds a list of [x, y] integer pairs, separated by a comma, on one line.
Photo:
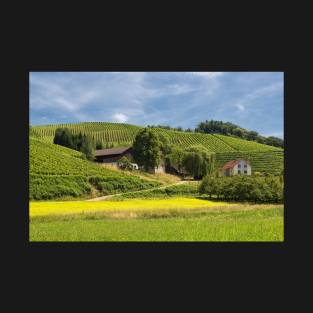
{"points": [[56, 172], [219, 127], [47, 187], [198, 162], [244, 188], [175, 158], [87, 147], [125, 164], [146, 149], [99, 145], [63, 137], [264, 158], [83, 143], [186, 190]]}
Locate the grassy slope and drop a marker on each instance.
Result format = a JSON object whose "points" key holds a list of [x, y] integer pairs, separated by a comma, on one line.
{"points": [[263, 157], [58, 172], [255, 225]]}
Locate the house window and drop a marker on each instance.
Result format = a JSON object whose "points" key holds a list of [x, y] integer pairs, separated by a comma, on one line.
{"points": [[245, 172], [239, 171], [245, 166], [239, 165]]}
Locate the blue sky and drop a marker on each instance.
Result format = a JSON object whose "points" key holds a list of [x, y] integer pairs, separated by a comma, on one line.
{"points": [[253, 100]]}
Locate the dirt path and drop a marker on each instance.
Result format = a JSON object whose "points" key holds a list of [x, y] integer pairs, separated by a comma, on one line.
{"points": [[154, 188]]}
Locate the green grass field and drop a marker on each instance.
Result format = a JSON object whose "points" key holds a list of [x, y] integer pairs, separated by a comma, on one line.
{"points": [[148, 220]]}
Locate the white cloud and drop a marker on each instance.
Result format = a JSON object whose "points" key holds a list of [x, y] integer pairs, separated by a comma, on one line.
{"points": [[120, 117], [260, 92], [240, 107], [207, 74]]}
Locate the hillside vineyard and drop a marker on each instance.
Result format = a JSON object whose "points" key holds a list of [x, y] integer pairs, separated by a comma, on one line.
{"points": [[263, 158], [58, 172]]}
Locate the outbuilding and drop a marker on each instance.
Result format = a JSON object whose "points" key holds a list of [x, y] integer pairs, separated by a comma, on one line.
{"points": [[113, 155]]}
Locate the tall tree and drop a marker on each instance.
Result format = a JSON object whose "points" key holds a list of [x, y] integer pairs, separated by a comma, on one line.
{"points": [[146, 149], [87, 147], [198, 161]]}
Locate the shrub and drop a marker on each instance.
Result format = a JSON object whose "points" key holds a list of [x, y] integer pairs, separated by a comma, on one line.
{"points": [[244, 188], [125, 164]]}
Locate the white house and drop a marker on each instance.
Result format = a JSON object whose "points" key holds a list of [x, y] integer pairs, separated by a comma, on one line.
{"points": [[237, 167]]}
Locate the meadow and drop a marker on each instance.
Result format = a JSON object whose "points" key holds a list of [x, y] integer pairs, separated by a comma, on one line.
{"points": [[212, 224]]}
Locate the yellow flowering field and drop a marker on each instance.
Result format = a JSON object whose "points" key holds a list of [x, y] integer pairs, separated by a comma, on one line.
{"points": [[42, 208]]}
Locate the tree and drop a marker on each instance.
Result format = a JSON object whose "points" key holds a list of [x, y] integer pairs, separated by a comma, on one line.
{"points": [[207, 185], [63, 137], [198, 161], [99, 145], [252, 135], [87, 147], [175, 158], [146, 149], [238, 132], [125, 164]]}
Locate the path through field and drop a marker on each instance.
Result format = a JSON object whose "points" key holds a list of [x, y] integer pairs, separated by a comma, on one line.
{"points": [[154, 188]]}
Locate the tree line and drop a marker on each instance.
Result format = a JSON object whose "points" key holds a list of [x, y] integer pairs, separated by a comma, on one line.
{"points": [[228, 129], [84, 143], [244, 188], [219, 127]]}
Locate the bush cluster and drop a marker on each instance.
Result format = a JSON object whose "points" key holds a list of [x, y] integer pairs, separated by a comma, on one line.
{"points": [[47, 187], [244, 188], [84, 143]]}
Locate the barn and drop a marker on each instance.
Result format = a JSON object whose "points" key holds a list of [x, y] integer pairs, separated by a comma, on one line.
{"points": [[113, 155], [237, 167]]}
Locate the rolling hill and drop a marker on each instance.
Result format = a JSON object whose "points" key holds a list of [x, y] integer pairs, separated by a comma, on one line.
{"points": [[59, 172], [263, 158]]}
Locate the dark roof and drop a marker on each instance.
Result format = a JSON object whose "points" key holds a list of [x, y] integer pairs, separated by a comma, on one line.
{"points": [[112, 151], [232, 163]]}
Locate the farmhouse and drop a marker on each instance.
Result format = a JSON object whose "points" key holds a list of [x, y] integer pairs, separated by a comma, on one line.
{"points": [[236, 167], [113, 155]]}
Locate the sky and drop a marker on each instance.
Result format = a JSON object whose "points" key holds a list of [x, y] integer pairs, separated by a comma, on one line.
{"points": [[252, 100]]}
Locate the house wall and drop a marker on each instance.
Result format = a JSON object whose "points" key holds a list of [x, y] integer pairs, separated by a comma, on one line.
{"points": [[159, 169], [242, 168]]}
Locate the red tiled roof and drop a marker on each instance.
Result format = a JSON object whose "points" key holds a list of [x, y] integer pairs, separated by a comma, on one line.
{"points": [[232, 163], [112, 151]]}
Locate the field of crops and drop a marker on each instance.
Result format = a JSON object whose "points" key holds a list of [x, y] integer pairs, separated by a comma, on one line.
{"points": [[58, 172], [263, 158], [271, 162], [118, 134], [245, 145]]}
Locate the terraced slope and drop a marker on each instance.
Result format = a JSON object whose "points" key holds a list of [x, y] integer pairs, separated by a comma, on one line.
{"points": [[263, 157], [58, 172], [245, 145], [271, 162]]}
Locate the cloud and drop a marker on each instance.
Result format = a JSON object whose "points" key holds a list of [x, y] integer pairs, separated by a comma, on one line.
{"points": [[240, 107], [172, 98], [120, 117], [207, 74], [266, 91]]}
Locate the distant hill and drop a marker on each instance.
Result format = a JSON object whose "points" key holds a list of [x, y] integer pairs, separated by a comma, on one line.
{"points": [[59, 172], [263, 158]]}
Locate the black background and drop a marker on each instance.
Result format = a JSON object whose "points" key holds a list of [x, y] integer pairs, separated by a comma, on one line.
{"points": [[242, 275]]}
